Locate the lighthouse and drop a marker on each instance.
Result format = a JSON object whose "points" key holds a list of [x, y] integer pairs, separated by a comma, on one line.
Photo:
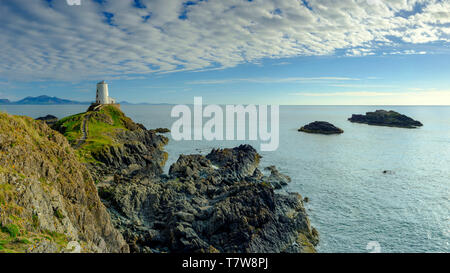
{"points": [[103, 94]]}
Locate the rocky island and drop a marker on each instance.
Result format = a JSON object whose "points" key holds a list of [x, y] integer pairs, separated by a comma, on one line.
{"points": [[103, 185], [321, 127], [386, 118]]}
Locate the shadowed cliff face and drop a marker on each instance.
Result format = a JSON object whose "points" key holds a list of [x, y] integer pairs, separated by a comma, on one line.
{"points": [[217, 203], [47, 197]]}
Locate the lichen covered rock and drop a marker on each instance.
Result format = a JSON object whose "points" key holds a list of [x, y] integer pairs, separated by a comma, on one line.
{"points": [[46, 194], [218, 203]]}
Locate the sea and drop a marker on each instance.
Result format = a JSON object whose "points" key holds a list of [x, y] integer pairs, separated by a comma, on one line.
{"points": [[354, 205]]}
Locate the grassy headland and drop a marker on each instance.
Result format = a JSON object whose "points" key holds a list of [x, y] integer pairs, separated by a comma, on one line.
{"points": [[94, 131]]}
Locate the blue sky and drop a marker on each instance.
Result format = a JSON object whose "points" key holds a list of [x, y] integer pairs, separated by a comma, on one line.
{"points": [[263, 52]]}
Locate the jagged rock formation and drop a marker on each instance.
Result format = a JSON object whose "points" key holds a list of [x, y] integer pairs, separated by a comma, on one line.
{"points": [[277, 179], [139, 150], [221, 202], [217, 203], [386, 118], [321, 127], [47, 197]]}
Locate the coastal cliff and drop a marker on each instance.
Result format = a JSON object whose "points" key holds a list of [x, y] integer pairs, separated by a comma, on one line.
{"points": [[221, 202], [47, 197]]}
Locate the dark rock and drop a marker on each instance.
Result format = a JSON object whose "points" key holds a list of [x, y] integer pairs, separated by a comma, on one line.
{"points": [[49, 119], [217, 203], [236, 163], [161, 130], [277, 179], [321, 127], [94, 107], [141, 149], [386, 118]]}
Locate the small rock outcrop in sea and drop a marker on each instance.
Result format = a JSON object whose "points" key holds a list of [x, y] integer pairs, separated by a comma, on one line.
{"points": [[386, 118], [321, 127], [161, 130], [49, 119], [215, 203]]}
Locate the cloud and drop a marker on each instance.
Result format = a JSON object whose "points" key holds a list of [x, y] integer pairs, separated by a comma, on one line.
{"points": [[405, 52], [346, 94], [128, 38], [272, 80], [283, 63], [432, 93], [429, 97], [361, 85]]}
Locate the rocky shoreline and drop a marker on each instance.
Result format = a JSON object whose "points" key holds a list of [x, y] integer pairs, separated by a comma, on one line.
{"points": [[218, 203]]}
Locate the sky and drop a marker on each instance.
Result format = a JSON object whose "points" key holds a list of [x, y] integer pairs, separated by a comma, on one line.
{"points": [[288, 52]]}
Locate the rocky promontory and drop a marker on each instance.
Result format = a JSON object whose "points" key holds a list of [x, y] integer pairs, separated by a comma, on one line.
{"points": [[113, 144], [215, 203], [386, 118], [321, 127], [50, 188]]}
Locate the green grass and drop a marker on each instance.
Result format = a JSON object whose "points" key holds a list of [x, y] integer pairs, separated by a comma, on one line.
{"points": [[71, 126], [6, 190], [102, 125], [10, 244], [11, 229]]}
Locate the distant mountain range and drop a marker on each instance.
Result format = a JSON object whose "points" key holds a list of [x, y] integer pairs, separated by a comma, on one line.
{"points": [[41, 100], [46, 100]]}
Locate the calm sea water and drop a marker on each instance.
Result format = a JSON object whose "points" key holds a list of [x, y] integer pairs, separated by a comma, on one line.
{"points": [[351, 201]]}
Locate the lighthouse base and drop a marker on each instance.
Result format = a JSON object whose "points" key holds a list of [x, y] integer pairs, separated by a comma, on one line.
{"points": [[97, 106]]}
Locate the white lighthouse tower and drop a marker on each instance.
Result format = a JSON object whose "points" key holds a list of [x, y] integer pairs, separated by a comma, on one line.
{"points": [[103, 94]]}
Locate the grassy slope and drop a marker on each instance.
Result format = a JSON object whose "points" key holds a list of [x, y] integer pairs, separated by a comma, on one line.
{"points": [[102, 126]]}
